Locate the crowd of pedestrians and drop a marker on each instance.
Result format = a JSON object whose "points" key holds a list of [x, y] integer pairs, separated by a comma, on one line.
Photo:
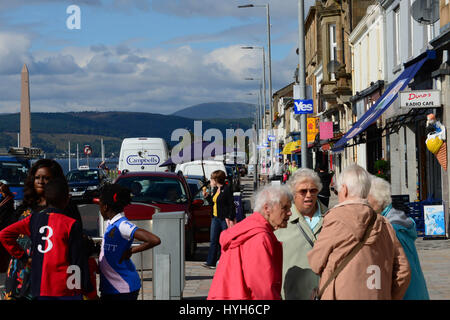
{"points": [[294, 247]]}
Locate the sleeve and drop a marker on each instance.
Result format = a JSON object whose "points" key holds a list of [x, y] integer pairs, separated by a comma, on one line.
{"points": [[127, 230], [333, 235], [401, 273], [79, 256], [259, 269], [230, 204], [9, 235]]}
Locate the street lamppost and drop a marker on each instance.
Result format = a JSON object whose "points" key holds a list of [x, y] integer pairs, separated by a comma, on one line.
{"points": [[256, 140], [302, 80], [270, 127], [269, 53], [264, 81]]}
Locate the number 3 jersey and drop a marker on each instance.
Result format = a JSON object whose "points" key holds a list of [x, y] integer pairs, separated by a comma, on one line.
{"points": [[59, 266], [117, 275]]}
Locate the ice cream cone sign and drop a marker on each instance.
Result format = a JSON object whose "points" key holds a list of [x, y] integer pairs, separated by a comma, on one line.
{"points": [[436, 137]]}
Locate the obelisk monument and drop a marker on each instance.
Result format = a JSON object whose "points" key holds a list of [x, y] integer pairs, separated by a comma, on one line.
{"points": [[25, 115]]}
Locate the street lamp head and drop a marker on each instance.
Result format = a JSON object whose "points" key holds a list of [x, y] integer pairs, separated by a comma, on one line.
{"points": [[247, 47], [246, 6]]}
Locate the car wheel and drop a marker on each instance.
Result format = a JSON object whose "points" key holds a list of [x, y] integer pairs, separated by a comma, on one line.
{"points": [[191, 246]]}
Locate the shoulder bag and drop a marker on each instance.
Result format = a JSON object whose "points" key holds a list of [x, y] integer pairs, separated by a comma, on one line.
{"points": [[317, 294]]}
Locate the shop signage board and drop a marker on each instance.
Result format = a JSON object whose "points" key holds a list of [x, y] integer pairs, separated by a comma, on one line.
{"points": [[434, 220], [420, 99]]}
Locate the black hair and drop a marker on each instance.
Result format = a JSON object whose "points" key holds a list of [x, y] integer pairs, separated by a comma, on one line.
{"points": [[115, 196], [56, 193], [30, 197]]}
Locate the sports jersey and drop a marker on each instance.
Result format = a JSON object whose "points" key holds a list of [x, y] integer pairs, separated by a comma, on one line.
{"points": [[59, 266], [118, 277]]}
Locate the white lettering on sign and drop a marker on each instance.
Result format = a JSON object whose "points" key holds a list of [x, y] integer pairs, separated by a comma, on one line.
{"points": [[135, 160], [303, 106]]}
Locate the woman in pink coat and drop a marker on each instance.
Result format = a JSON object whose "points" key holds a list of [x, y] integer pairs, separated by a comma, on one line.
{"points": [[251, 262]]}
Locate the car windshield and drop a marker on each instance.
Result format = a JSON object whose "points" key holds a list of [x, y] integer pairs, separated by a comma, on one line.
{"points": [[14, 173], [155, 189], [82, 175]]}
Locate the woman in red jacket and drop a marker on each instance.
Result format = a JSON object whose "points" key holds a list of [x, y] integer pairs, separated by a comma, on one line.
{"points": [[251, 262]]}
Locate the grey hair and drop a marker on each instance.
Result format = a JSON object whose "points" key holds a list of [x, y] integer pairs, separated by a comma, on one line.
{"points": [[380, 190], [303, 174], [271, 195], [357, 180]]}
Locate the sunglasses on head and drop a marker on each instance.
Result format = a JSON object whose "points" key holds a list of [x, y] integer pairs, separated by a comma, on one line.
{"points": [[303, 192]]}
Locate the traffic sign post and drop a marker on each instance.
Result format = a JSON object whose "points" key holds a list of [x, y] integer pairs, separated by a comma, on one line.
{"points": [[87, 152]]}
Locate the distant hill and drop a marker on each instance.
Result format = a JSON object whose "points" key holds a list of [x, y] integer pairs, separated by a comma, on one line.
{"points": [[53, 131], [218, 110]]}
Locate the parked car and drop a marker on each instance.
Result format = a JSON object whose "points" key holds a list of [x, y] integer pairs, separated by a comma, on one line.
{"points": [[233, 177], [168, 192], [13, 172], [200, 168], [85, 183]]}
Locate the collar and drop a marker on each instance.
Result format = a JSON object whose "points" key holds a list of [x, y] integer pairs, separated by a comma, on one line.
{"points": [[295, 216], [386, 210], [355, 201], [117, 217]]}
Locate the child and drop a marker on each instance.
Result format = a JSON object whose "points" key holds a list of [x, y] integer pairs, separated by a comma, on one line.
{"points": [[59, 268], [119, 279]]}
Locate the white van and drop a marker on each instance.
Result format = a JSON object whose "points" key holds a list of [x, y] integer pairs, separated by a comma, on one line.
{"points": [[194, 168], [143, 154]]}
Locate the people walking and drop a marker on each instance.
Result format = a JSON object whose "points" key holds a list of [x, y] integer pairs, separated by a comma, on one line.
{"points": [[17, 283], [59, 267], [357, 253], [119, 279], [223, 214], [293, 167], [250, 266], [405, 229], [298, 237]]}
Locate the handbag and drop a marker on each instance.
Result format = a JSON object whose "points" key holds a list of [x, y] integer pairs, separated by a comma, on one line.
{"points": [[316, 294]]}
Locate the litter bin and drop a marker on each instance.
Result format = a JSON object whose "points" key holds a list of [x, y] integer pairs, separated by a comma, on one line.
{"points": [[169, 255], [239, 208], [141, 215]]}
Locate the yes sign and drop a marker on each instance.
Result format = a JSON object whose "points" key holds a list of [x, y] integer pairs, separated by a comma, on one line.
{"points": [[303, 106]]}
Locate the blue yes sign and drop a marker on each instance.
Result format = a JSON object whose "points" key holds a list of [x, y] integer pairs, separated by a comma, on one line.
{"points": [[303, 106]]}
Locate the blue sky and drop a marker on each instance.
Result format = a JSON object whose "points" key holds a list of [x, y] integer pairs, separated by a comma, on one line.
{"points": [[155, 56]]}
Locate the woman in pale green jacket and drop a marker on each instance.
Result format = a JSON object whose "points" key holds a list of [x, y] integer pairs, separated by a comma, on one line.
{"points": [[298, 238]]}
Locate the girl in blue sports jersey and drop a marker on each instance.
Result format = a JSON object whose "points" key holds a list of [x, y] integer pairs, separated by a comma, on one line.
{"points": [[119, 279]]}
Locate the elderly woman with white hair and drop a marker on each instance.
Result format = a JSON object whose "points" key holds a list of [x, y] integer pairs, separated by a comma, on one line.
{"points": [[251, 260], [299, 236], [405, 229], [357, 253]]}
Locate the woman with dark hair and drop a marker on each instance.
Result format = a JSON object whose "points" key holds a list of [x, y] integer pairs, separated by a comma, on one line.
{"points": [[17, 284], [223, 215], [119, 279]]}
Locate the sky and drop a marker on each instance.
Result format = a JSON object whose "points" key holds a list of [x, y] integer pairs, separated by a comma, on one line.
{"points": [[156, 56]]}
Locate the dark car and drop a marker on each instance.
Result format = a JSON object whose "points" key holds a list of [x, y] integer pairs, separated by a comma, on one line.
{"points": [[234, 177], [85, 183], [168, 192]]}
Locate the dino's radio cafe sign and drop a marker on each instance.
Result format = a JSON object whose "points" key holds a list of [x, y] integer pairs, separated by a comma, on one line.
{"points": [[420, 99]]}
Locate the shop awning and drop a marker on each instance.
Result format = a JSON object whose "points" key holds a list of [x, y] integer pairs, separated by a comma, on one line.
{"points": [[291, 146], [382, 104]]}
